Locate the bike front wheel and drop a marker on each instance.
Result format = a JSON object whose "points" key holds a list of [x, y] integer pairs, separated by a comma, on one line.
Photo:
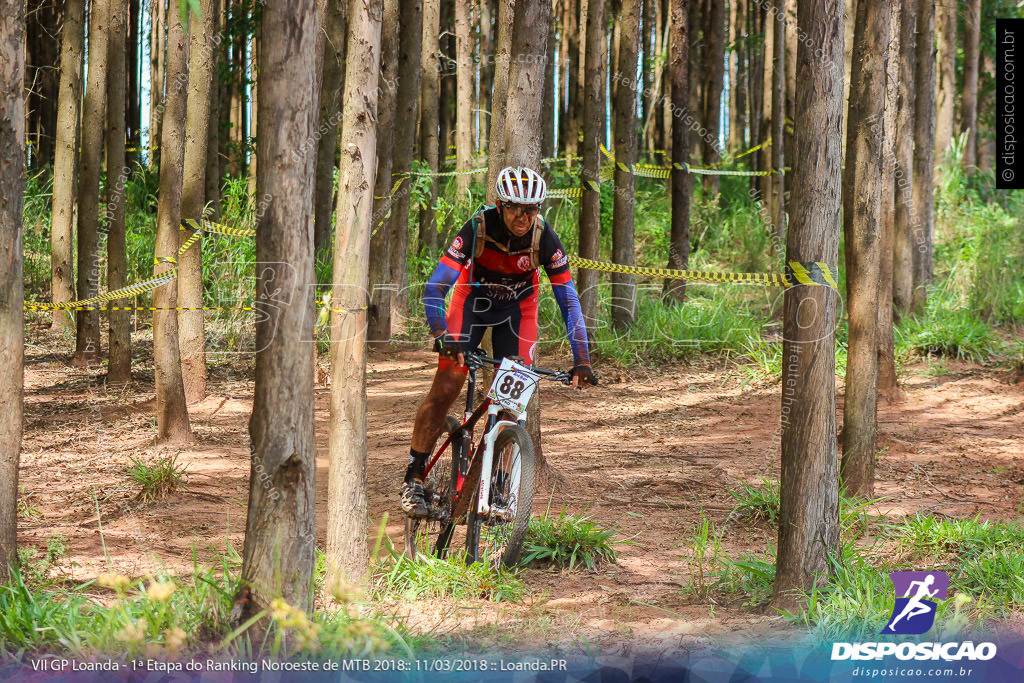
{"points": [[497, 536], [439, 491]]}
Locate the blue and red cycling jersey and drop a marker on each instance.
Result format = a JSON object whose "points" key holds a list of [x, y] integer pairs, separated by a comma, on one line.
{"points": [[498, 290]]}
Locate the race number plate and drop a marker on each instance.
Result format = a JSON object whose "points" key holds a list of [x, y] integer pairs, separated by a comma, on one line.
{"points": [[513, 386]]}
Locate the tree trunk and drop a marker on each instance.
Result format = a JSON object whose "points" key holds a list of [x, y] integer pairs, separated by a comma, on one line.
{"points": [[12, 324], [42, 71], [406, 118], [280, 530], [755, 99], [590, 174], [623, 301], [735, 139], [715, 71], [347, 506], [157, 47], [547, 146], [862, 215], [496, 146], [172, 422], [331, 90], [191, 330], [463, 104], [682, 181], [969, 94], [430, 92], [385, 273], [484, 10], [65, 167], [255, 47], [212, 175], [87, 338], [809, 512], [924, 155], [902, 251], [768, 70], [572, 52], [119, 367], [792, 40], [778, 215], [946, 86], [133, 62], [446, 101], [888, 389]]}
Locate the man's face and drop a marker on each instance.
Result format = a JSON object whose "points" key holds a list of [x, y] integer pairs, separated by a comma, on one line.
{"points": [[518, 218]]}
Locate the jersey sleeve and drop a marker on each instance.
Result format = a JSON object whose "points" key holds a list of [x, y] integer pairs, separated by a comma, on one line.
{"points": [[459, 252], [556, 265], [552, 257], [452, 263]]}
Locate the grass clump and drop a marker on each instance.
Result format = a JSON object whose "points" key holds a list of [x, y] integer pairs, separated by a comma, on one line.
{"points": [[569, 541], [157, 479], [944, 329], [448, 577]]}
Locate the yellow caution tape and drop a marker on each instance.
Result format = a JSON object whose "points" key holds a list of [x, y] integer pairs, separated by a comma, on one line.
{"points": [[652, 171], [813, 274]]}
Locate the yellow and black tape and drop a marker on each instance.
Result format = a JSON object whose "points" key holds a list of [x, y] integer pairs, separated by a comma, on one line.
{"points": [[652, 171], [797, 273]]}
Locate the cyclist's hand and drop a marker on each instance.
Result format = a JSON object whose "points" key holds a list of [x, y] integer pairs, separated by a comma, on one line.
{"points": [[447, 347], [583, 374]]}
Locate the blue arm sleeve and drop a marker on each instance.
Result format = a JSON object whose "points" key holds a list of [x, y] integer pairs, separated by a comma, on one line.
{"points": [[433, 295], [572, 314]]}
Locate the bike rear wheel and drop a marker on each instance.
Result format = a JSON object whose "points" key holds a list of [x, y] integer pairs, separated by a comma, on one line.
{"points": [[422, 536], [497, 537]]}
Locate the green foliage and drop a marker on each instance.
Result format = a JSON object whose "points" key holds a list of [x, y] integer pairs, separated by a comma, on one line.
{"points": [[158, 479], [946, 330], [569, 540], [759, 502], [432, 577], [36, 568]]}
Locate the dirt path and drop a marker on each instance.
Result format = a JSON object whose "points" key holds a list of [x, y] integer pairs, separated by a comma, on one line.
{"points": [[664, 444]]}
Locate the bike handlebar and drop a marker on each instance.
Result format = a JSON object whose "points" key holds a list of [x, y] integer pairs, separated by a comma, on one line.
{"points": [[477, 359]]}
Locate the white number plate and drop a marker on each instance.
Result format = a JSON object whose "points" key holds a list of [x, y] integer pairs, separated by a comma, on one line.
{"points": [[513, 386]]}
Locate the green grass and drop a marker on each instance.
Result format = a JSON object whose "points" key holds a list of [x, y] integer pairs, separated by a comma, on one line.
{"points": [[158, 479], [569, 541], [946, 330], [398, 576]]}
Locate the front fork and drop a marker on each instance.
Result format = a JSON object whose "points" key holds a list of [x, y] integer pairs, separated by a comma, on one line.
{"points": [[483, 507]]}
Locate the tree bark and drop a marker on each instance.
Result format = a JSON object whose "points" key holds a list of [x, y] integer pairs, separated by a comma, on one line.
{"points": [[571, 55], [87, 337], [430, 92], [809, 512], [331, 90], [768, 71], [924, 155], [715, 70], [191, 330], [888, 389], [463, 104], [969, 93], [280, 530], [946, 86], [590, 173], [547, 145], [902, 251], [385, 274], [133, 61], [446, 101], [862, 215], [406, 118], [119, 366], [171, 413], [682, 181], [778, 199], [65, 167], [624, 285], [347, 506], [499, 96], [212, 175], [12, 325], [157, 48]]}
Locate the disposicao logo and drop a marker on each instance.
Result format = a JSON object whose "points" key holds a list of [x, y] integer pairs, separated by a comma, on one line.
{"points": [[914, 612]]}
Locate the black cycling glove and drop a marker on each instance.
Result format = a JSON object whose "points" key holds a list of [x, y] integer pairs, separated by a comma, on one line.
{"points": [[586, 375], [446, 345]]}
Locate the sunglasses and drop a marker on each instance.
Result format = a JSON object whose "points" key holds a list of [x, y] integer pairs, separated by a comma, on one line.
{"points": [[517, 209]]}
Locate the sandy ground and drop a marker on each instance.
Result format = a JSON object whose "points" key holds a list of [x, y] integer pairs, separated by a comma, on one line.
{"points": [[649, 451]]}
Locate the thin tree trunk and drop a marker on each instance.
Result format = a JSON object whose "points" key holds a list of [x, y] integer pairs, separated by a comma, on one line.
{"points": [[969, 93], [157, 48], [12, 325], [946, 74], [496, 146], [623, 300], [191, 330], [280, 530], [332, 87], [765, 182], [65, 168], [902, 251], [255, 47], [172, 421], [547, 146], [385, 273], [463, 105], [347, 506], [430, 92], [715, 70], [682, 181], [778, 202], [888, 389], [573, 52], [924, 155], [809, 511], [862, 216], [87, 338], [133, 62], [590, 174], [119, 367], [485, 11], [735, 138], [446, 101], [406, 118], [212, 175], [790, 67]]}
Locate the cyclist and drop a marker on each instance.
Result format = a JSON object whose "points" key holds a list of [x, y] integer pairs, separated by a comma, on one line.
{"points": [[493, 264]]}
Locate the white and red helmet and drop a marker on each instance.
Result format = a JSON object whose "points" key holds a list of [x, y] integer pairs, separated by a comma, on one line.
{"points": [[520, 185]]}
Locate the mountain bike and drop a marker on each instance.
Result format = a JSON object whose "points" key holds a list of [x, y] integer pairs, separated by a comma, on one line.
{"points": [[488, 487]]}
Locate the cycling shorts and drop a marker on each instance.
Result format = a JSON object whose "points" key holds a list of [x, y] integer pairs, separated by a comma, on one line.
{"points": [[513, 326]]}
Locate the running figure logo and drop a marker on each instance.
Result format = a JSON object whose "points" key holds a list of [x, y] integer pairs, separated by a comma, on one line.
{"points": [[914, 612]]}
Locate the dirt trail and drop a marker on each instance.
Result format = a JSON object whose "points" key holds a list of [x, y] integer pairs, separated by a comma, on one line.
{"points": [[649, 451]]}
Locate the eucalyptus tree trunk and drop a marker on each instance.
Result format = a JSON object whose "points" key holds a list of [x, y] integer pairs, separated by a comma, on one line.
{"points": [[714, 72], [945, 96], [862, 216], [590, 174], [623, 301], [332, 86], [902, 251], [809, 510], [347, 506], [157, 61], [171, 412], [119, 366], [192, 331], [407, 98], [87, 337], [12, 324], [464, 101], [212, 174], [888, 389], [499, 96], [65, 165], [280, 531], [923, 230], [778, 122], [682, 181], [969, 93], [430, 92]]}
